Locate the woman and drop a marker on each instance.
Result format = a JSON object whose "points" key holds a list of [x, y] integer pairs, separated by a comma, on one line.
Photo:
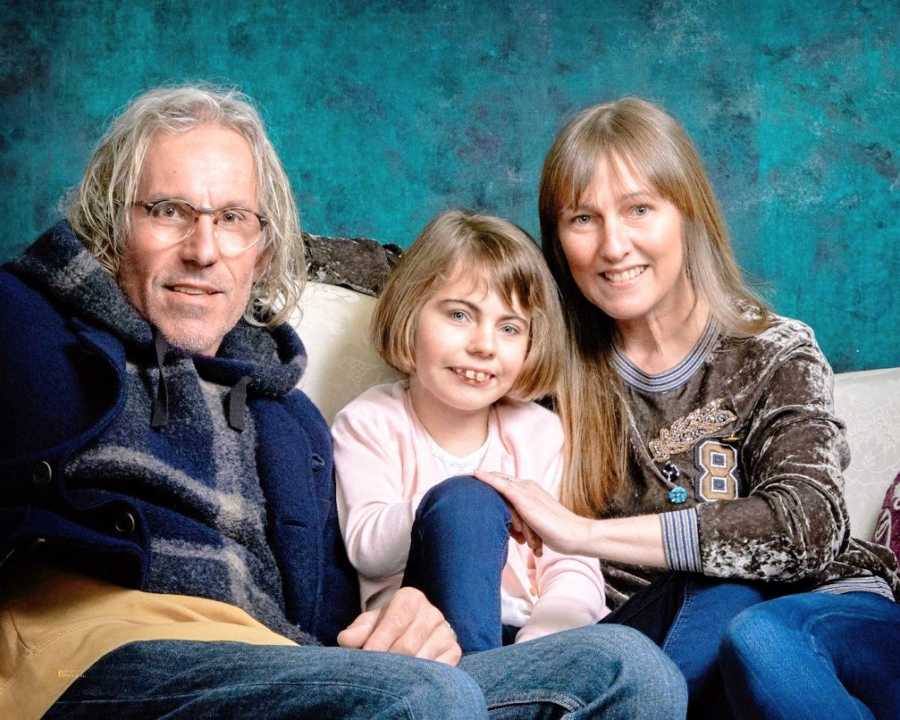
{"points": [[702, 440]]}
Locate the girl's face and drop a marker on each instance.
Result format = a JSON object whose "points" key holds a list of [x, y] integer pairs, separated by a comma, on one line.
{"points": [[469, 348], [624, 245]]}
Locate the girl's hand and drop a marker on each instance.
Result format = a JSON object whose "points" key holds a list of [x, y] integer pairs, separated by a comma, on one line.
{"points": [[539, 518]]}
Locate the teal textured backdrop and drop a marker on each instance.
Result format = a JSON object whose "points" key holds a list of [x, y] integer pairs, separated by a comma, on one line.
{"points": [[387, 112]]}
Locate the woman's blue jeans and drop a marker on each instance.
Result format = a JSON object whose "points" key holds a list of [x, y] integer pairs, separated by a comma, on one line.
{"points": [[749, 651], [612, 672], [814, 655], [459, 545]]}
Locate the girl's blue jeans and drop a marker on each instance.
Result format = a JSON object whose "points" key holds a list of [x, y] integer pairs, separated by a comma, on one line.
{"points": [[459, 544]]}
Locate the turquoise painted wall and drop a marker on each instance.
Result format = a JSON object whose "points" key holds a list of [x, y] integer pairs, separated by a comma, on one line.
{"points": [[387, 112]]}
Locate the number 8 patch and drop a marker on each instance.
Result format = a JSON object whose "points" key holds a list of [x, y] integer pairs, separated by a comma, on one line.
{"points": [[717, 463]]}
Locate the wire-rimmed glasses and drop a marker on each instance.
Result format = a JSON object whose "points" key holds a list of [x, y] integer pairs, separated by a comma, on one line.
{"points": [[237, 229]]}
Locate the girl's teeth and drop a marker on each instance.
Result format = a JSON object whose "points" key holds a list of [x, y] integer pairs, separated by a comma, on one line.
{"points": [[473, 375]]}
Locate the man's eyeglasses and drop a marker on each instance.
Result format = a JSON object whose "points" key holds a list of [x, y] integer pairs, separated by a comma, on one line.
{"points": [[236, 229]]}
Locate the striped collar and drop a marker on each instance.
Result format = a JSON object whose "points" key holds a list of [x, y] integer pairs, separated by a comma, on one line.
{"points": [[672, 378]]}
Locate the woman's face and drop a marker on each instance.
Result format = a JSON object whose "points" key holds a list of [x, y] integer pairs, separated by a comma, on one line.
{"points": [[624, 246]]}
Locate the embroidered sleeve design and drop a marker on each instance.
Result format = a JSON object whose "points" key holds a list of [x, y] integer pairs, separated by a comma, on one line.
{"points": [[685, 431]]}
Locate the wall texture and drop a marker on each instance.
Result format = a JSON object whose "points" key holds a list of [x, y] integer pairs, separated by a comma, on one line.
{"points": [[386, 112]]}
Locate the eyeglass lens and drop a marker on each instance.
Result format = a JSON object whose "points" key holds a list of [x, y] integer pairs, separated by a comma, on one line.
{"points": [[235, 228]]}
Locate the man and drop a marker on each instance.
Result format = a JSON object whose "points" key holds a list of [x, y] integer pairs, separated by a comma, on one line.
{"points": [[168, 535]]}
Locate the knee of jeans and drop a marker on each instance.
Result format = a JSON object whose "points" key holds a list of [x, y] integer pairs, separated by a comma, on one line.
{"points": [[449, 688], [463, 497], [648, 669], [754, 633], [641, 669]]}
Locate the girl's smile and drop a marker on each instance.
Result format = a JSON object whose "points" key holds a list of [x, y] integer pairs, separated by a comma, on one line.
{"points": [[476, 377]]}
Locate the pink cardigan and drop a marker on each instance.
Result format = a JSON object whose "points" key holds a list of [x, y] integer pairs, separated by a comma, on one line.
{"points": [[384, 466]]}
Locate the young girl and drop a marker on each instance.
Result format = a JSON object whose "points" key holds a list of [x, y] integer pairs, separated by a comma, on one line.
{"points": [[472, 316]]}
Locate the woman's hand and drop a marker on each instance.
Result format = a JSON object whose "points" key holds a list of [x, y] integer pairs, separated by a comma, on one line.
{"points": [[538, 518]]}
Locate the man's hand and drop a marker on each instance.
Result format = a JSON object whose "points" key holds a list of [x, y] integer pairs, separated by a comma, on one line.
{"points": [[407, 625]]}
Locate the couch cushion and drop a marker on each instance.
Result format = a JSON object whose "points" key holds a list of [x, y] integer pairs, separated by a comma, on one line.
{"points": [[333, 323], [869, 402]]}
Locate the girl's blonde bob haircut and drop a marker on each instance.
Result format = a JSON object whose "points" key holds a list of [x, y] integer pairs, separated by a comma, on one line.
{"points": [[497, 255], [99, 209], [643, 138]]}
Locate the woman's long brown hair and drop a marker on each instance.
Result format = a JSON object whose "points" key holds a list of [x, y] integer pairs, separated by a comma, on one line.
{"points": [[654, 147]]}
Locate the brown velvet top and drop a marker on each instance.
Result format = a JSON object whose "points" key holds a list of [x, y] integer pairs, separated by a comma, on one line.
{"points": [[754, 421]]}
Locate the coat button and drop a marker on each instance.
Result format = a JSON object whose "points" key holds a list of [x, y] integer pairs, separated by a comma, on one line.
{"points": [[125, 524], [41, 475], [317, 462]]}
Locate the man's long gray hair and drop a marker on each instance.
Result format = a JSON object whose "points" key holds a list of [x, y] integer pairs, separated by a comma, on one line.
{"points": [[99, 208]]}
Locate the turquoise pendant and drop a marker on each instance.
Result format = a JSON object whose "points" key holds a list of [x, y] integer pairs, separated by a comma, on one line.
{"points": [[677, 495]]}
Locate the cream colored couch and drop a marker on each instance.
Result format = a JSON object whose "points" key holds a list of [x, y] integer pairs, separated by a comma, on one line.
{"points": [[333, 324]]}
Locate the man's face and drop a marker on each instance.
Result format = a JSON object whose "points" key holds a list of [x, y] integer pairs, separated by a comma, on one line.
{"points": [[191, 292]]}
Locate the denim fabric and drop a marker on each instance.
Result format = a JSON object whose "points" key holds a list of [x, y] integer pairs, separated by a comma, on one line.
{"points": [[686, 615], [747, 650], [815, 655], [695, 635], [652, 609], [601, 671], [460, 540], [179, 679], [604, 671]]}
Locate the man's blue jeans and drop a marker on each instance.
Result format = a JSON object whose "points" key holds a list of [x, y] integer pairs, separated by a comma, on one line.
{"points": [[748, 653], [609, 671], [459, 544]]}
